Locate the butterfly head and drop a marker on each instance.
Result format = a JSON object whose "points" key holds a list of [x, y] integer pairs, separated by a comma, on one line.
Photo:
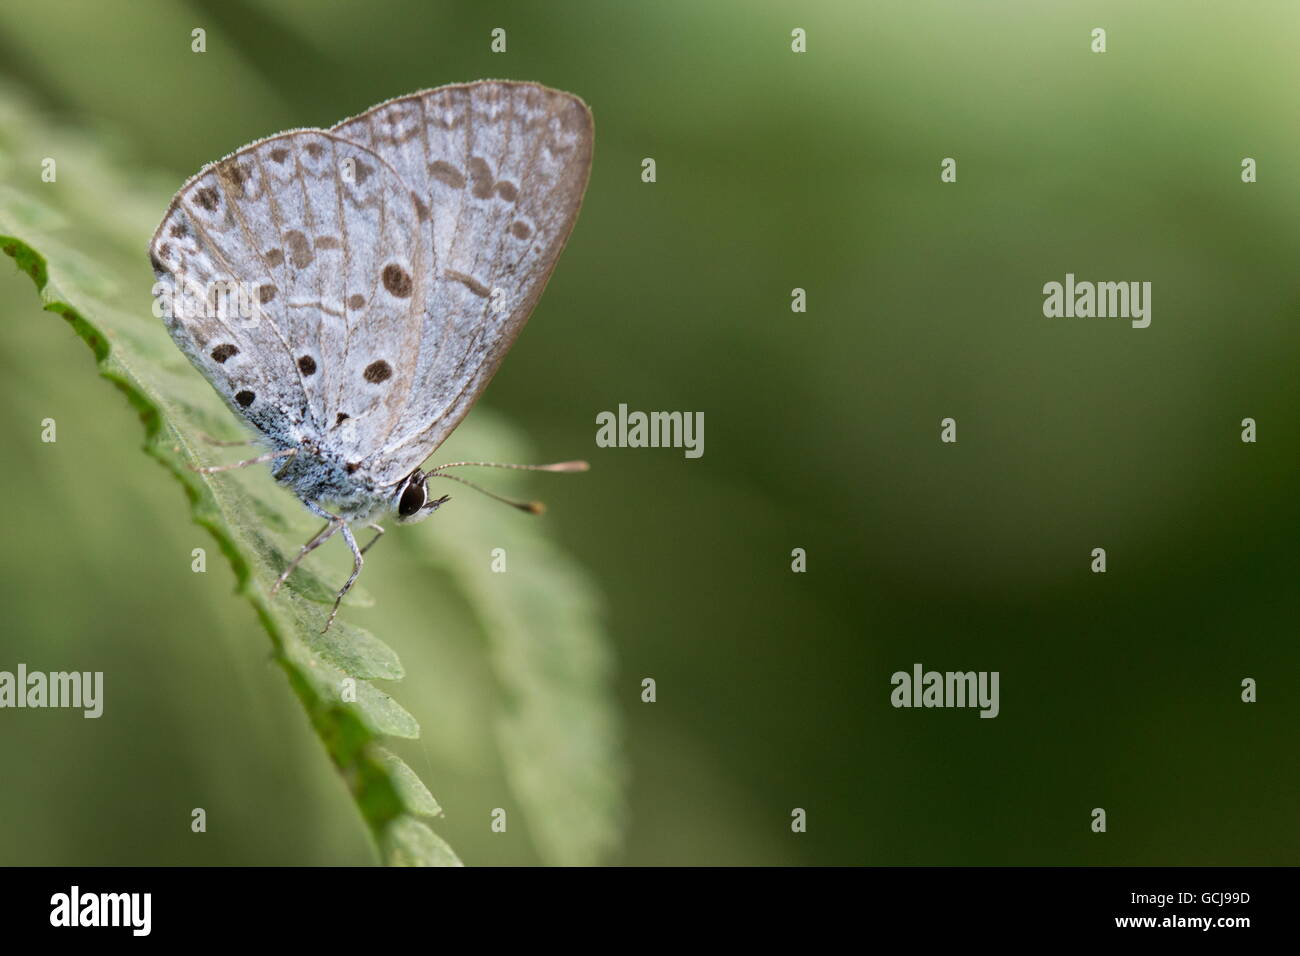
{"points": [[413, 501], [412, 497]]}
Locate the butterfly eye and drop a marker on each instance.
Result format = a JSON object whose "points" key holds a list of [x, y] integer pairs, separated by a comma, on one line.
{"points": [[412, 498]]}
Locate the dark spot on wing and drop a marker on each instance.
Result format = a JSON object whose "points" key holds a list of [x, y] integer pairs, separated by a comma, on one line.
{"points": [[300, 253], [481, 174], [343, 416], [356, 301], [223, 352], [478, 288], [235, 174], [520, 229], [445, 172], [265, 293], [244, 398], [379, 371], [307, 365], [351, 466], [207, 197], [274, 257], [279, 154], [397, 281]]}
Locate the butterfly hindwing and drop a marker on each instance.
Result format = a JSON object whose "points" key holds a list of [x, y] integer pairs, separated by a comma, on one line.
{"points": [[327, 246]]}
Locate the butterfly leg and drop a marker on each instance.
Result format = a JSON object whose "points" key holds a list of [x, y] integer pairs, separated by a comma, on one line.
{"points": [[358, 561], [332, 524], [222, 443], [379, 533], [269, 456]]}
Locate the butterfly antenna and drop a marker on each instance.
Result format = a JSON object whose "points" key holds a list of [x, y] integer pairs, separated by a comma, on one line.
{"points": [[532, 507], [554, 466]]}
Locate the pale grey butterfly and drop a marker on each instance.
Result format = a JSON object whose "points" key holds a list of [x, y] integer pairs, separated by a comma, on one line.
{"points": [[350, 292]]}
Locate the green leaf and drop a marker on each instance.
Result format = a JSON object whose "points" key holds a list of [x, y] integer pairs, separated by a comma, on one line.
{"points": [[556, 730], [83, 241]]}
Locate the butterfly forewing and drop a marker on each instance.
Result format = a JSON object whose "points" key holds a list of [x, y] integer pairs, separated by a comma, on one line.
{"points": [[500, 168]]}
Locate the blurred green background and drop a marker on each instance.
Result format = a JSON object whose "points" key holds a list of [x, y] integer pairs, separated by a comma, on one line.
{"points": [[775, 171]]}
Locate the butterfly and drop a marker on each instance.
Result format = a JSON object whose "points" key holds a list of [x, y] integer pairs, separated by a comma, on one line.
{"points": [[350, 292]]}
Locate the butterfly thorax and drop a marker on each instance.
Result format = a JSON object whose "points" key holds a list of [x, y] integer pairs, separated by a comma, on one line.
{"points": [[315, 475]]}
